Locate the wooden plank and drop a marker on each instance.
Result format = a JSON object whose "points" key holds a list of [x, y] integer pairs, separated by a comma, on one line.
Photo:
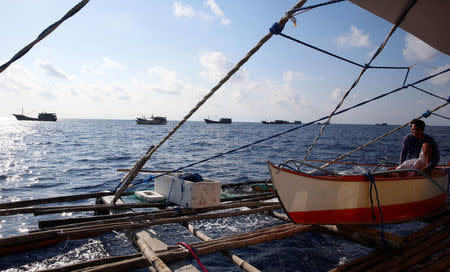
{"points": [[144, 239]]}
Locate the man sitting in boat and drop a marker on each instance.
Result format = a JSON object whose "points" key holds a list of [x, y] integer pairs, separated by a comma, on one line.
{"points": [[420, 149]]}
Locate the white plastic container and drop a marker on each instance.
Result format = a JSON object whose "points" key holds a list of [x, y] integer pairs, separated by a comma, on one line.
{"points": [[149, 196], [189, 194]]}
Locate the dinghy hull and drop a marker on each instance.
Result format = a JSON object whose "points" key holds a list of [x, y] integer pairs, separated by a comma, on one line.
{"points": [[312, 199]]}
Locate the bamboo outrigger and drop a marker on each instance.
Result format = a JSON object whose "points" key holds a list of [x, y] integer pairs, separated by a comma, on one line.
{"points": [[422, 250]]}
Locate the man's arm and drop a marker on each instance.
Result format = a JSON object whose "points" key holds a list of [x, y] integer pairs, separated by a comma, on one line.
{"points": [[435, 157], [404, 152]]}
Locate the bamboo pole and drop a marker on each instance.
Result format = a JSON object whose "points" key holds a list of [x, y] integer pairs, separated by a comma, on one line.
{"points": [[437, 264], [397, 260], [151, 257], [208, 247], [165, 213], [426, 230], [66, 221], [78, 208], [422, 255], [34, 240], [149, 171], [125, 265], [31, 202], [92, 263], [359, 264], [234, 258], [365, 236]]}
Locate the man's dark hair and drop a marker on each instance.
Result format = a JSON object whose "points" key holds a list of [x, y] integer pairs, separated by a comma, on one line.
{"points": [[418, 123]]}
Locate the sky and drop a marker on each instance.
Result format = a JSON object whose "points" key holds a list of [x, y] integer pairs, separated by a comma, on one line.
{"points": [[124, 59]]}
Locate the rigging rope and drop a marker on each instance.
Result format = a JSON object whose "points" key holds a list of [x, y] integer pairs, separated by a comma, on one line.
{"points": [[410, 4], [430, 93], [441, 116], [317, 5], [44, 34], [141, 162], [339, 57]]}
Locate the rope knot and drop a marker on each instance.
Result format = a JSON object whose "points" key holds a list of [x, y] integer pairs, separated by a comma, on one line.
{"points": [[276, 29], [366, 65], [150, 178], [448, 99], [426, 114]]}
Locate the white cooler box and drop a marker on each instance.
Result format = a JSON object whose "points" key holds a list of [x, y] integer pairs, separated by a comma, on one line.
{"points": [[189, 194]]}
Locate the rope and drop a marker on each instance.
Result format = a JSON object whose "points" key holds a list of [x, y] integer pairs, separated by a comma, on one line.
{"points": [[141, 162], [410, 4], [194, 255], [429, 93], [441, 116], [317, 5], [340, 157], [339, 57], [44, 34], [371, 177]]}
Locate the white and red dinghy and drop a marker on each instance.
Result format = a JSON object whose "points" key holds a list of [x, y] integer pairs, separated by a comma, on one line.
{"points": [[330, 199]]}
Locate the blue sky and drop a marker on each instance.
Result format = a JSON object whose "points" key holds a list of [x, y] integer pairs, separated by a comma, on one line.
{"points": [[122, 59]]}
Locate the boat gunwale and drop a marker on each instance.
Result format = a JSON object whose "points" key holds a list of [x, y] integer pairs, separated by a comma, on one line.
{"points": [[354, 177]]}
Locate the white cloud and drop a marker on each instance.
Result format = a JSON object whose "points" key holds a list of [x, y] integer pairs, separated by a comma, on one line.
{"points": [[216, 64], [441, 79], [354, 38], [417, 50], [109, 63], [337, 93], [160, 79], [291, 75], [212, 11], [90, 70], [52, 70], [17, 79], [181, 10], [217, 11]]}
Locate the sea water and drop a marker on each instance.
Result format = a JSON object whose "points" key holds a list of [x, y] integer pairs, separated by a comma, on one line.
{"points": [[47, 159]]}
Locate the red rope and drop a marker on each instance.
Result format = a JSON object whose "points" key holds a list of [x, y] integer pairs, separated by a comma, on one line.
{"points": [[193, 254]]}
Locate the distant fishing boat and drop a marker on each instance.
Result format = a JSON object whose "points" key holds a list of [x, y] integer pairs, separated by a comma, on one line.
{"points": [[43, 116], [280, 122], [382, 124], [221, 121], [153, 120]]}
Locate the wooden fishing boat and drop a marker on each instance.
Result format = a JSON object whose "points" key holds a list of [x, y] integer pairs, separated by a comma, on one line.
{"points": [[221, 121], [153, 120], [43, 116], [346, 199]]}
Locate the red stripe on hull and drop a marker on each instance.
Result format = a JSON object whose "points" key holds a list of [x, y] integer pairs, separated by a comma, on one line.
{"points": [[391, 214]]}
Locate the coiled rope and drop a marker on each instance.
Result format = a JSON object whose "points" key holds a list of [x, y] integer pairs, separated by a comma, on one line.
{"points": [[44, 34], [141, 162]]}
